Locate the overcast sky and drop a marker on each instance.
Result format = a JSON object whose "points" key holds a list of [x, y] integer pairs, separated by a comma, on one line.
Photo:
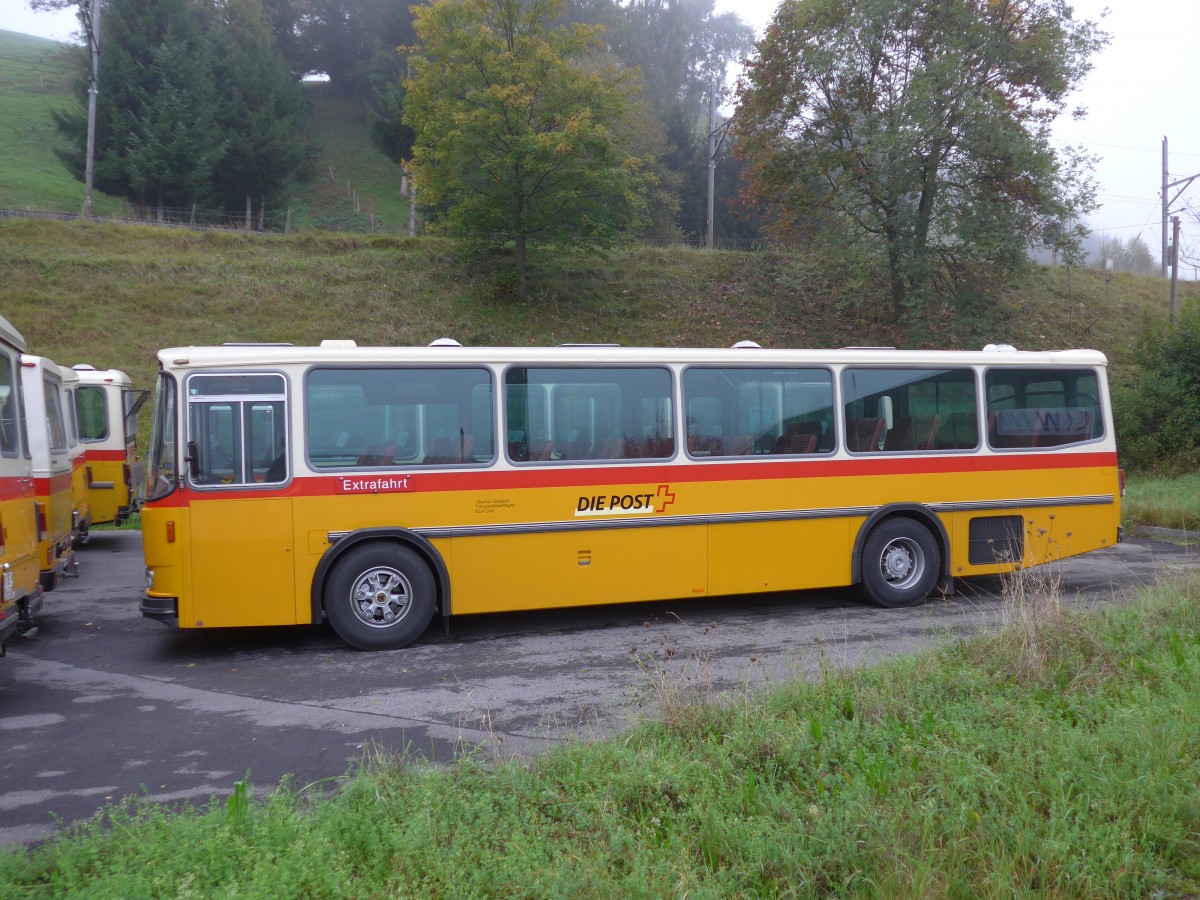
{"points": [[1137, 93]]}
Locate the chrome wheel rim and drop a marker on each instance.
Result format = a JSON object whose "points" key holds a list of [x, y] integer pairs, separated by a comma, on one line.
{"points": [[380, 597], [902, 563]]}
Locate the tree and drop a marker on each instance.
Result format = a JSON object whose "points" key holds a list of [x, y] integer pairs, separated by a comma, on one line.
{"points": [[260, 110], [1128, 256], [679, 48], [521, 133], [172, 146], [165, 134], [922, 127], [155, 139]]}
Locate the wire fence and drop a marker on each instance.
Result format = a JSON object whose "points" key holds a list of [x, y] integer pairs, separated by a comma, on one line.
{"points": [[280, 221]]}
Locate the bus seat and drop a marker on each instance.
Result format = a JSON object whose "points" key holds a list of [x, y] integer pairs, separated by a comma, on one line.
{"points": [[795, 442], [378, 455], [864, 435], [740, 445], [611, 448], [913, 433], [541, 451]]}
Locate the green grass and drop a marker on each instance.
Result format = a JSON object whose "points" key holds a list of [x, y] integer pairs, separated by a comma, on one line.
{"points": [[351, 186], [34, 79], [1162, 501], [1057, 758]]}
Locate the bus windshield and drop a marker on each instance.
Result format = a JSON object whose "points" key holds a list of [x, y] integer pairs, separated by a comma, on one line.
{"points": [[162, 472]]}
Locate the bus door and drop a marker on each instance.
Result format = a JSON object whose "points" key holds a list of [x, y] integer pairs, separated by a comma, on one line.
{"points": [[135, 474], [241, 529]]}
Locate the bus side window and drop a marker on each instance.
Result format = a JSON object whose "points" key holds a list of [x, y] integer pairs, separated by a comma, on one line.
{"points": [[1041, 408], [8, 408]]}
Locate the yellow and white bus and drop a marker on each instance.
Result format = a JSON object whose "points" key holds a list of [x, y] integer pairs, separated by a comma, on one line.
{"points": [[81, 511], [46, 417], [374, 488], [20, 587], [107, 407]]}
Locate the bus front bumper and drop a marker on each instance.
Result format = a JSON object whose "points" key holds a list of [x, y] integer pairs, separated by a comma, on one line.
{"points": [[163, 609]]}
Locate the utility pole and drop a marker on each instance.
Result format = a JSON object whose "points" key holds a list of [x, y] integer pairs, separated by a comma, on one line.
{"points": [[1174, 270], [712, 160], [1167, 201], [91, 24], [1165, 176]]}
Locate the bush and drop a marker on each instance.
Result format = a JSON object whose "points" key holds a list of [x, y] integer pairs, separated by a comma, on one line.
{"points": [[1158, 415]]}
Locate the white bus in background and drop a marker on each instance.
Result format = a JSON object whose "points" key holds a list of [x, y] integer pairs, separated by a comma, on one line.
{"points": [[46, 415], [107, 406], [81, 516], [20, 590]]}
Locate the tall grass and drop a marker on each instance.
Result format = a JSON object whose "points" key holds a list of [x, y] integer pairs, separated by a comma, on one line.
{"points": [[1162, 501], [950, 773]]}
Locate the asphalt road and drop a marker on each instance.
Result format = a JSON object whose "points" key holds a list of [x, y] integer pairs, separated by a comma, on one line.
{"points": [[102, 705]]}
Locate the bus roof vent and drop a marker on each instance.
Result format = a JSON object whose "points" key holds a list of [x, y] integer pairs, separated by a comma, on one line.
{"points": [[83, 367], [445, 342], [999, 348], [339, 344], [746, 345]]}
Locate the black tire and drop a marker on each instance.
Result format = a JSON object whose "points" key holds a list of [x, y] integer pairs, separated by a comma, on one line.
{"points": [[380, 597], [900, 563]]}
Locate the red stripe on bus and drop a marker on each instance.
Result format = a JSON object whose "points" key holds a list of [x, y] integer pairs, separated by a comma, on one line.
{"points": [[53, 484], [106, 455], [421, 481], [15, 488]]}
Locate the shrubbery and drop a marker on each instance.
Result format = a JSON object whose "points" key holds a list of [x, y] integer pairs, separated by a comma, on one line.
{"points": [[1158, 414]]}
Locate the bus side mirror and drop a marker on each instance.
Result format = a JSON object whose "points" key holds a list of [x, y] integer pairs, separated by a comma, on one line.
{"points": [[193, 459]]}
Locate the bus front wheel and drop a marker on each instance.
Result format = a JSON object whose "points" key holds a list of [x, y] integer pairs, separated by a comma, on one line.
{"points": [[900, 563], [380, 597]]}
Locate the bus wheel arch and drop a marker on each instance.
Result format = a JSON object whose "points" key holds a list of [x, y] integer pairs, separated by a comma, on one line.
{"points": [[901, 553], [404, 567]]}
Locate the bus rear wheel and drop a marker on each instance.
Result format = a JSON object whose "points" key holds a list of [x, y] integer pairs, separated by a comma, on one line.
{"points": [[900, 563], [380, 597]]}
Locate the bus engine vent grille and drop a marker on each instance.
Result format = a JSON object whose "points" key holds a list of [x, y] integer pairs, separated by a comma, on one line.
{"points": [[996, 539]]}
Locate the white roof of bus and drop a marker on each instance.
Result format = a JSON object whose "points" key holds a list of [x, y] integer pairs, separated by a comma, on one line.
{"points": [[244, 355], [10, 335], [88, 375], [41, 362]]}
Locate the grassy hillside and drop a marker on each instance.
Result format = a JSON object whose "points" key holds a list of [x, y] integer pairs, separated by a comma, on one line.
{"points": [[350, 185], [344, 168], [35, 79], [112, 295]]}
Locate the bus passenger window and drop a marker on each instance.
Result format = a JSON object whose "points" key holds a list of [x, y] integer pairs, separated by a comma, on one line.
{"points": [[399, 416], [750, 411], [1039, 408], [909, 410], [589, 414]]}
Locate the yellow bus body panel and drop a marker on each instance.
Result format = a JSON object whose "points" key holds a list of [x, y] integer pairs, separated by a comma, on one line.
{"points": [[80, 496], [245, 575], [108, 492], [20, 545]]}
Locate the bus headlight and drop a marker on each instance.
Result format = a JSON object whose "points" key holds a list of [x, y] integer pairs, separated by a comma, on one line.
{"points": [[149, 578]]}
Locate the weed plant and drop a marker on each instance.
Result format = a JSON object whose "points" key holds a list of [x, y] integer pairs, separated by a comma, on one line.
{"points": [[1055, 758]]}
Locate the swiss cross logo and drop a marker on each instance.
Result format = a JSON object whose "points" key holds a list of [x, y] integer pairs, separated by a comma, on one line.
{"points": [[664, 498]]}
